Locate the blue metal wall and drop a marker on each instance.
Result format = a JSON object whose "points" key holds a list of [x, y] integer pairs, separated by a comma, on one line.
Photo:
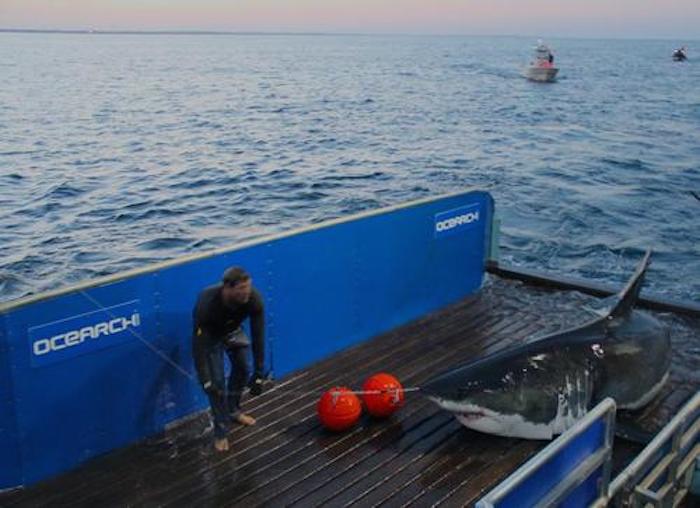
{"points": [[546, 477], [10, 465], [572, 471], [83, 372]]}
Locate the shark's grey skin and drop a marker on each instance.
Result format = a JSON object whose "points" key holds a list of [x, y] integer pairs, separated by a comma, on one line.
{"points": [[542, 388]]}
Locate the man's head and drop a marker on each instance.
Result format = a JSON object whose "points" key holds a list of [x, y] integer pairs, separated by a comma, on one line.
{"points": [[237, 286]]}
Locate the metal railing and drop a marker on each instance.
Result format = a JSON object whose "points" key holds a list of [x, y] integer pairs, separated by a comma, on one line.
{"points": [[661, 474], [596, 463]]}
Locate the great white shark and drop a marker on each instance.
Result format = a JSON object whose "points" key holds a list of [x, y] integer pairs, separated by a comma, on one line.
{"points": [[542, 388]]}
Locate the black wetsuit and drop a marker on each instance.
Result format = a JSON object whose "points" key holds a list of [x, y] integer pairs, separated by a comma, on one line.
{"points": [[217, 329]]}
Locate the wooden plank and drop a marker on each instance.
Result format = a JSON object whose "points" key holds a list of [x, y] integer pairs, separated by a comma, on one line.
{"points": [[421, 456], [421, 367]]}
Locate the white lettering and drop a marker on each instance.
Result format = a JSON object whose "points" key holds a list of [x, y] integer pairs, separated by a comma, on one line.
{"points": [[58, 342], [113, 325], [85, 333], [453, 222], [101, 329], [76, 337], [42, 347]]}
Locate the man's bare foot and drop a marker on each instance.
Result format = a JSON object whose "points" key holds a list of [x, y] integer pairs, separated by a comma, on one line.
{"points": [[245, 419], [221, 445]]}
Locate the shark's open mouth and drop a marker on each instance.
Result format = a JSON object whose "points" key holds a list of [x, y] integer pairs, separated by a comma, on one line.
{"points": [[471, 415], [461, 409]]}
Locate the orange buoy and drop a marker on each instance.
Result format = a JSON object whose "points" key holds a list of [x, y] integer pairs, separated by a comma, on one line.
{"points": [[385, 397], [339, 408]]}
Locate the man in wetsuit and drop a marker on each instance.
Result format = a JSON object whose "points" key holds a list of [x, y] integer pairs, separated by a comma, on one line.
{"points": [[218, 314]]}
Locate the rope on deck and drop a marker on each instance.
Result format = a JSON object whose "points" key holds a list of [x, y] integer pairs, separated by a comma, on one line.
{"points": [[150, 346], [179, 368]]}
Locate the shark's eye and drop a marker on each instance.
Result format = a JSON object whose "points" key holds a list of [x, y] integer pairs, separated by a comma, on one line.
{"points": [[597, 350], [469, 388]]}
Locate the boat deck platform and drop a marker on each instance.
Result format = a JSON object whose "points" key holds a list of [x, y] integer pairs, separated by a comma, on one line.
{"points": [[419, 457]]}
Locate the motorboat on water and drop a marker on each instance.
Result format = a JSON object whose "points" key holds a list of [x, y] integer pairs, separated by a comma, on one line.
{"points": [[542, 66], [680, 54]]}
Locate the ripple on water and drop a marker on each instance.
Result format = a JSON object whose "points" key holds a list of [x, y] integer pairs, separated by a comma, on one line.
{"points": [[165, 243], [104, 171]]}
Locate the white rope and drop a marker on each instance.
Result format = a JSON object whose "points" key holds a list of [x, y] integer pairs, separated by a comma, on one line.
{"points": [[150, 346], [379, 392], [337, 393], [189, 376]]}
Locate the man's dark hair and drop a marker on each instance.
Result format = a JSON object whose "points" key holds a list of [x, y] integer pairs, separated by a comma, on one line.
{"points": [[235, 275]]}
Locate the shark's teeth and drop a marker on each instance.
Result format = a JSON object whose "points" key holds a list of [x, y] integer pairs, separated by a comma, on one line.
{"points": [[572, 404]]}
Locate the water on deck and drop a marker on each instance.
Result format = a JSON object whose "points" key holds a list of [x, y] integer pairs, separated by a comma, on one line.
{"points": [[421, 456]]}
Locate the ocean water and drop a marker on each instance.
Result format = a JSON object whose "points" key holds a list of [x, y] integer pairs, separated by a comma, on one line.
{"points": [[117, 151]]}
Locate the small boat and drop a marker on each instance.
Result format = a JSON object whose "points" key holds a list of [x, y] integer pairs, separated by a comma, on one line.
{"points": [[681, 54], [542, 66]]}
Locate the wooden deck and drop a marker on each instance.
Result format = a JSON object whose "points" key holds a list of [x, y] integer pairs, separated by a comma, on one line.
{"points": [[420, 457]]}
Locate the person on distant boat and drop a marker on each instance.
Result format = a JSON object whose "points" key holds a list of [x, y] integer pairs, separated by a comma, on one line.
{"points": [[680, 54], [218, 315], [550, 58]]}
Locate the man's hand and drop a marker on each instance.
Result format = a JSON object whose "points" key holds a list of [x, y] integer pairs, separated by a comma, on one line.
{"points": [[211, 389], [256, 384], [236, 338]]}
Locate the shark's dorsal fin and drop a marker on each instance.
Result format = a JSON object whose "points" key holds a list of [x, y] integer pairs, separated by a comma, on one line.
{"points": [[628, 296]]}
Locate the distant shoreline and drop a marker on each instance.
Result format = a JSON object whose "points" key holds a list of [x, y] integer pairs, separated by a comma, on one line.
{"points": [[322, 34]]}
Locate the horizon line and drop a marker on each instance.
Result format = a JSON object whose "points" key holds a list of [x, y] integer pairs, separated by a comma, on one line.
{"points": [[97, 31]]}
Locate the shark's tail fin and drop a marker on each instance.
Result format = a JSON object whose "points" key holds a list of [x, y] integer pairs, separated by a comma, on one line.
{"points": [[628, 296]]}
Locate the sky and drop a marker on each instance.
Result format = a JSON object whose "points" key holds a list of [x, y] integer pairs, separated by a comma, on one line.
{"points": [[675, 19]]}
